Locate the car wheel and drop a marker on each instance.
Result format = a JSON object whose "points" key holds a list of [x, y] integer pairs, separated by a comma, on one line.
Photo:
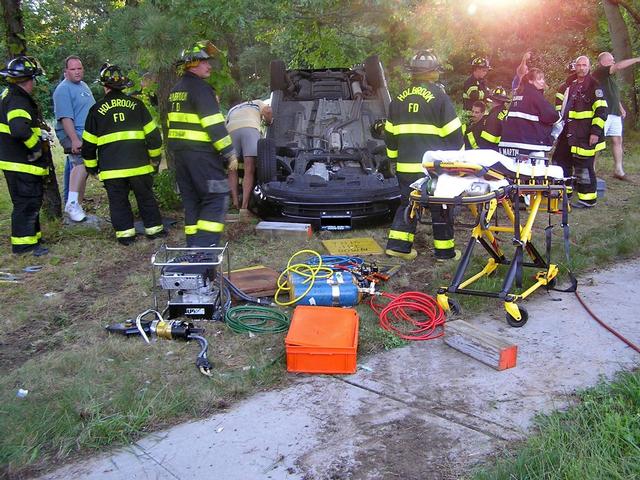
{"points": [[373, 71], [266, 168], [278, 79]]}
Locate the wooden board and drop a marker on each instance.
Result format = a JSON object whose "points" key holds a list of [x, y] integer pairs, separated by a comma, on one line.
{"points": [[483, 346], [353, 246], [258, 281]]}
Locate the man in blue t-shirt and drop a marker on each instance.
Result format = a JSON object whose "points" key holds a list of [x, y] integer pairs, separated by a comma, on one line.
{"points": [[72, 100]]}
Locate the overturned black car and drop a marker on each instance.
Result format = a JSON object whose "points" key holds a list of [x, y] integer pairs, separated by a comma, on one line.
{"points": [[323, 160]]}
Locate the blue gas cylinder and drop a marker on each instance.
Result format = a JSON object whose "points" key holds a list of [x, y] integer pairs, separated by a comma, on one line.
{"points": [[339, 290]]}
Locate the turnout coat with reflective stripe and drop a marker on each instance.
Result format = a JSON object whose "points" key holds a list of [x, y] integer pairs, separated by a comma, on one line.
{"points": [[195, 121], [120, 137], [491, 132], [529, 121], [585, 112], [421, 118], [474, 89], [20, 132]]}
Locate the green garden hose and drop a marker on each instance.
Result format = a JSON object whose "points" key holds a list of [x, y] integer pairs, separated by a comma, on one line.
{"points": [[255, 319]]}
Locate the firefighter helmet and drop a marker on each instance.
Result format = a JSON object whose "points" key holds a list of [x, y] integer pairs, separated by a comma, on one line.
{"points": [[424, 61], [480, 62], [111, 76], [499, 94], [22, 67], [202, 50]]}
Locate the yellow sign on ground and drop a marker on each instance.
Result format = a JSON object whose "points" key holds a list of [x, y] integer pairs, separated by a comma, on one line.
{"points": [[353, 246]]}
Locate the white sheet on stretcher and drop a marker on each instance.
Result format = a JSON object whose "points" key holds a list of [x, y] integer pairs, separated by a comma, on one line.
{"points": [[450, 186], [492, 159]]}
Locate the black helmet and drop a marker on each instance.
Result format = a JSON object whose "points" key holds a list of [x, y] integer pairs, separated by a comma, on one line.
{"points": [[424, 61], [22, 67], [499, 94], [480, 62], [202, 50], [111, 76]]}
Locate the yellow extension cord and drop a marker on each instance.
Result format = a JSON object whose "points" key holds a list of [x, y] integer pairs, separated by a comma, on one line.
{"points": [[311, 272]]}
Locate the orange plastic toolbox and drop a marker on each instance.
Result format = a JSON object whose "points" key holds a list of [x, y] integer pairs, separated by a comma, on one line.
{"points": [[322, 340]]}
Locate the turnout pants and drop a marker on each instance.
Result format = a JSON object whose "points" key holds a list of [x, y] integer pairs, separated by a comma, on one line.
{"points": [[586, 183], [204, 189], [26, 193], [120, 208], [402, 234]]}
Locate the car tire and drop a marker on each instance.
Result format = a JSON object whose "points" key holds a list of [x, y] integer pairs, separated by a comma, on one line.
{"points": [[266, 167], [373, 71], [278, 78]]}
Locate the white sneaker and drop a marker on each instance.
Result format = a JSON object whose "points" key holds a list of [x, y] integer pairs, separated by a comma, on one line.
{"points": [[75, 211]]}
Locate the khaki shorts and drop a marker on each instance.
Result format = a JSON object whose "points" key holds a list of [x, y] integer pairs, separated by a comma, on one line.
{"points": [[245, 142]]}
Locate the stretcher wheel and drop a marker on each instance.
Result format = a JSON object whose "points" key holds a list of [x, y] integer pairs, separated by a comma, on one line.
{"points": [[407, 215], [518, 323]]}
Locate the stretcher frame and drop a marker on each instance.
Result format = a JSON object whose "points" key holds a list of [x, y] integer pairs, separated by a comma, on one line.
{"points": [[545, 194]]}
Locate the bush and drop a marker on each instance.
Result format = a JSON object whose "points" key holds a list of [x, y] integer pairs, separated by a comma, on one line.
{"points": [[164, 187]]}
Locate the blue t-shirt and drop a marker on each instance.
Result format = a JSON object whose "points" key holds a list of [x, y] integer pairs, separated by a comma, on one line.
{"points": [[71, 100]]}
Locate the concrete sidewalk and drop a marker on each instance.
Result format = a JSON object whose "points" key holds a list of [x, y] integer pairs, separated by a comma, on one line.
{"points": [[424, 411]]}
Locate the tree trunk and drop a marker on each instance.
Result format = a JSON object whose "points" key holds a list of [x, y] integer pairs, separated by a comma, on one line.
{"points": [[14, 28], [621, 50], [166, 80], [17, 45]]}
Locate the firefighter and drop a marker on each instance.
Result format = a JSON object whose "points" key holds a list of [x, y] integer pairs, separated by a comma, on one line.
{"points": [[527, 128], [473, 129], [421, 118], [559, 99], [21, 156], [492, 130], [201, 146], [122, 143], [584, 113], [475, 87]]}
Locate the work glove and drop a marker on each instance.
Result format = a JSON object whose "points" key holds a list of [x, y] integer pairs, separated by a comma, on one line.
{"points": [[34, 156]]}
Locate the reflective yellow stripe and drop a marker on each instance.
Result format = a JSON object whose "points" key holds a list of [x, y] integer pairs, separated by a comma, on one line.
{"points": [[24, 168], [208, 226], [588, 196], [392, 153], [149, 127], [4, 128], [189, 135], [222, 143], [585, 152], [558, 107], [490, 138], [117, 136], [89, 137], [131, 232], [598, 122], [183, 117], [32, 240], [153, 230], [18, 112], [32, 140], [398, 235], [600, 146], [388, 127], [212, 120], [190, 229], [402, 167], [471, 89], [443, 244], [450, 127], [156, 152], [425, 129], [580, 115], [599, 103], [472, 140], [39, 235], [125, 172], [560, 96], [91, 163]]}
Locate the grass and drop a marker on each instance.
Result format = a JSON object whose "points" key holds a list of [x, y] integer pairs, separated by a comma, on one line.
{"points": [[88, 390], [598, 438]]}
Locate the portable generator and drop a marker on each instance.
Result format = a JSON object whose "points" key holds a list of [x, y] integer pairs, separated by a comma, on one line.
{"points": [[191, 280]]}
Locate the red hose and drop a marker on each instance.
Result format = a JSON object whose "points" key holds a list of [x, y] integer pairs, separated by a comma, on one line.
{"points": [[396, 314]]}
